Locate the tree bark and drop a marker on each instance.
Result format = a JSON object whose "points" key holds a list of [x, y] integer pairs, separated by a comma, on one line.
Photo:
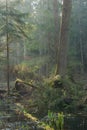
{"points": [[56, 25], [7, 44], [63, 39]]}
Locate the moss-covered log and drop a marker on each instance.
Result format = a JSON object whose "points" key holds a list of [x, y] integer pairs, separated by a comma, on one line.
{"points": [[20, 84]]}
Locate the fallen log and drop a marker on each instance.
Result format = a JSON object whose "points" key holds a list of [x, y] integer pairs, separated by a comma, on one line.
{"points": [[20, 82]]}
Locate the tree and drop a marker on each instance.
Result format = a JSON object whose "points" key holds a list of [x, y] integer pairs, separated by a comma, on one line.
{"points": [[56, 24], [63, 40], [77, 46], [7, 44], [14, 27]]}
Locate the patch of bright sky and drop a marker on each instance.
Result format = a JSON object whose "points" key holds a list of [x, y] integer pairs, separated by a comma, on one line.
{"points": [[34, 4]]}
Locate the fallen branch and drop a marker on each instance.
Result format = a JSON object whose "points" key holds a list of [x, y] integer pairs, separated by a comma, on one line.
{"points": [[26, 83], [32, 118]]}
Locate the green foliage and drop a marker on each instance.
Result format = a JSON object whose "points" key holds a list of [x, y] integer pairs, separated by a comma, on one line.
{"points": [[52, 99], [60, 121], [57, 122], [67, 98], [35, 31], [54, 81], [25, 72], [17, 27]]}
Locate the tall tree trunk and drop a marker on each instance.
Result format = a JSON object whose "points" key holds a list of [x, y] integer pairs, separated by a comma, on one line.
{"points": [[81, 55], [7, 42], [56, 25], [80, 39], [63, 39]]}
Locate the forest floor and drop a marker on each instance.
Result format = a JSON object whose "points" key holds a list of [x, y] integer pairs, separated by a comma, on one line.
{"points": [[13, 114], [13, 107]]}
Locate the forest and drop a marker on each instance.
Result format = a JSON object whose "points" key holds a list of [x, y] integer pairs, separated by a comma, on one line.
{"points": [[43, 60]]}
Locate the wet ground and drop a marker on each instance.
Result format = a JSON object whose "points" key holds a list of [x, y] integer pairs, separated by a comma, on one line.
{"points": [[11, 120], [78, 122]]}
